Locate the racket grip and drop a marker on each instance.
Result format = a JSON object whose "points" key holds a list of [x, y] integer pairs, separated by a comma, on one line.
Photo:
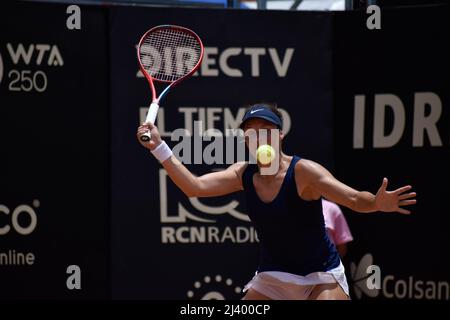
{"points": [[151, 117], [152, 112]]}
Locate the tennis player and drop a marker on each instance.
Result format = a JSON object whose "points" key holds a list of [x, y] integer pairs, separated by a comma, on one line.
{"points": [[297, 259]]}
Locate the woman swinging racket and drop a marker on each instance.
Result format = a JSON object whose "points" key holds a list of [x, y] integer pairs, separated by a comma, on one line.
{"points": [[297, 259]]}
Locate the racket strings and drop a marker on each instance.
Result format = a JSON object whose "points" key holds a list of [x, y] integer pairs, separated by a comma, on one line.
{"points": [[169, 54]]}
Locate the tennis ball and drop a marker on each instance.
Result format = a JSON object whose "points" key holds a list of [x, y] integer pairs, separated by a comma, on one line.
{"points": [[265, 154]]}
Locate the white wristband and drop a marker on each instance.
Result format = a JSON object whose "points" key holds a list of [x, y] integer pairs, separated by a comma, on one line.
{"points": [[162, 152]]}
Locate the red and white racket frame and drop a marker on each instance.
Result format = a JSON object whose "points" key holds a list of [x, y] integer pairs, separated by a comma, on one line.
{"points": [[154, 106]]}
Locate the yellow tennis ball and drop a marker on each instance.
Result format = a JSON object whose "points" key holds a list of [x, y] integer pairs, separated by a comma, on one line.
{"points": [[265, 154]]}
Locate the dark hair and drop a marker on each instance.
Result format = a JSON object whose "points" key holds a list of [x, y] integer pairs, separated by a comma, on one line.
{"points": [[272, 106]]}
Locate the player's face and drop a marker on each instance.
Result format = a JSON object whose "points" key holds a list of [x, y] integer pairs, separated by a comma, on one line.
{"points": [[258, 132]]}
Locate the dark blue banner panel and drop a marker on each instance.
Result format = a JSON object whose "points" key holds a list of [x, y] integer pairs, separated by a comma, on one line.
{"points": [[166, 245], [391, 106], [54, 138]]}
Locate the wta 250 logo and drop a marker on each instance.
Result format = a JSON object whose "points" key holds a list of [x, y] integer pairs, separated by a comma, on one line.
{"points": [[28, 66], [38, 54]]}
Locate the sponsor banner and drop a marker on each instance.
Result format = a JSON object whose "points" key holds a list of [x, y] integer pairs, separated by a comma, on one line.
{"points": [[75, 183], [370, 280], [392, 120], [54, 153], [163, 242]]}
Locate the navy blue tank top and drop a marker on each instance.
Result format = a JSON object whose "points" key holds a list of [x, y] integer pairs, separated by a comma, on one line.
{"points": [[291, 231]]}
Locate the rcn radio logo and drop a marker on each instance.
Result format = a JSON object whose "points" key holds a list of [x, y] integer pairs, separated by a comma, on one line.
{"points": [[189, 220], [368, 281]]}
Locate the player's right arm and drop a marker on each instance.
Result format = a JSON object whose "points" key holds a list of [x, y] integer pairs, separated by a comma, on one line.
{"points": [[208, 185]]}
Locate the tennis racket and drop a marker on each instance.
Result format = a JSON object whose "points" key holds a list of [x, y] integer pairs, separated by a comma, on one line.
{"points": [[167, 54]]}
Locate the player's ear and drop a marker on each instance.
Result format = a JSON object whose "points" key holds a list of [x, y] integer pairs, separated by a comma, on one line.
{"points": [[281, 135]]}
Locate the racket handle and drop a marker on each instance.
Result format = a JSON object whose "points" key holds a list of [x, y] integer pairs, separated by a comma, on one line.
{"points": [[151, 117]]}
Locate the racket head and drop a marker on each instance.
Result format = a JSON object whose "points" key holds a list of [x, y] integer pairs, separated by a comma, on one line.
{"points": [[169, 53]]}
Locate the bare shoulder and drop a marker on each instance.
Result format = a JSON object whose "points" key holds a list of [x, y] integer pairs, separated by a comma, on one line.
{"points": [[305, 174], [310, 172], [238, 168], [306, 167]]}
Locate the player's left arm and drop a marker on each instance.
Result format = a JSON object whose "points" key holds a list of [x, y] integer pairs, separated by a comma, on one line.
{"points": [[321, 181]]}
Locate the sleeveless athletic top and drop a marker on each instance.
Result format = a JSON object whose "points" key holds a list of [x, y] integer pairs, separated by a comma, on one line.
{"points": [[291, 231]]}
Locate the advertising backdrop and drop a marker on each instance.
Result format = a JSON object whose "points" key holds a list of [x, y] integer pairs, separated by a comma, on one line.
{"points": [[391, 106], [164, 244], [54, 138], [87, 212]]}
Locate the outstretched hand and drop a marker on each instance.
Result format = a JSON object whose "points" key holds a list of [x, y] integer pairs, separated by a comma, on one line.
{"points": [[392, 201]]}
